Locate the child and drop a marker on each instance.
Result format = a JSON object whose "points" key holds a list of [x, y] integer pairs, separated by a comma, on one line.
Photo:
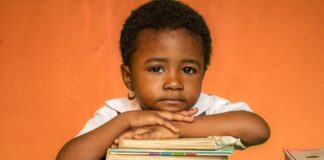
{"points": [[166, 50]]}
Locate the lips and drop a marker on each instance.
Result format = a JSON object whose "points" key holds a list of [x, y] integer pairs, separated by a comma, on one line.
{"points": [[172, 100]]}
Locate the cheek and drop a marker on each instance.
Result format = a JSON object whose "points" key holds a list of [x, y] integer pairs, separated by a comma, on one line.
{"points": [[148, 86], [193, 87], [193, 82]]}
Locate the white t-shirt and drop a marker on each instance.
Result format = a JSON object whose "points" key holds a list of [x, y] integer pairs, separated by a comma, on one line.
{"points": [[206, 104]]}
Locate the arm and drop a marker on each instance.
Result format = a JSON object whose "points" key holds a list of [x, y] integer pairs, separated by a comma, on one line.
{"points": [[94, 144], [247, 126]]}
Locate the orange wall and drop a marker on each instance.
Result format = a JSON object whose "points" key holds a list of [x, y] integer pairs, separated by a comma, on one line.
{"points": [[59, 61]]}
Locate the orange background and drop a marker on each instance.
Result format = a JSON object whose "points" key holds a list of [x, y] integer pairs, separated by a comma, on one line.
{"points": [[59, 61]]}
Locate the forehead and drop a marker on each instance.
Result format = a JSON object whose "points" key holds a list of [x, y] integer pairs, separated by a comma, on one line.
{"points": [[167, 42]]}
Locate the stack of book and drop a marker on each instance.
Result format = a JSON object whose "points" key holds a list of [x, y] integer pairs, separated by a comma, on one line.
{"points": [[304, 154], [216, 148]]}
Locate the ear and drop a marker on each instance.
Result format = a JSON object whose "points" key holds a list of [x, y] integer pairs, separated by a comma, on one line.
{"points": [[126, 75]]}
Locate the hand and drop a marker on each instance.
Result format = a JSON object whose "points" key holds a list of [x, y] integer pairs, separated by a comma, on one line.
{"points": [[189, 112], [153, 132], [147, 132], [142, 118]]}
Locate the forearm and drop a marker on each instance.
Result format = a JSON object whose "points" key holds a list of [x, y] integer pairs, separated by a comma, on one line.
{"points": [[249, 127], [94, 144]]}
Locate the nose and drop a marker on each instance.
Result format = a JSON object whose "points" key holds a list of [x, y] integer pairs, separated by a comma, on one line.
{"points": [[173, 81]]}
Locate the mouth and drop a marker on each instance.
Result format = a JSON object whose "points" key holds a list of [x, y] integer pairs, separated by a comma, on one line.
{"points": [[172, 101]]}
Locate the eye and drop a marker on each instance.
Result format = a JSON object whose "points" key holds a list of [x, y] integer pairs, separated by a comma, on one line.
{"points": [[189, 70], [156, 69]]}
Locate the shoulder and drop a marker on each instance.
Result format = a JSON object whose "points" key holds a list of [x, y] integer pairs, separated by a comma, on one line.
{"points": [[123, 104], [112, 108], [211, 104], [116, 106]]}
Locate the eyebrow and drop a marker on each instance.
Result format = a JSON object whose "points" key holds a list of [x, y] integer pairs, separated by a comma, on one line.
{"points": [[155, 59], [164, 60], [191, 61]]}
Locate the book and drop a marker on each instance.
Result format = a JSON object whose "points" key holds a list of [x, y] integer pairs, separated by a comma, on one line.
{"points": [[209, 143], [156, 154], [304, 154], [225, 151], [140, 157], [214, 147]]}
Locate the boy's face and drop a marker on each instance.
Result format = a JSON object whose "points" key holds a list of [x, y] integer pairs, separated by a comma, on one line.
{"points": [[166, 70]]}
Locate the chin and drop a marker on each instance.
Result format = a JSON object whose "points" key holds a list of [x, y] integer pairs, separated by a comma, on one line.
{"points": [[169, 107]]}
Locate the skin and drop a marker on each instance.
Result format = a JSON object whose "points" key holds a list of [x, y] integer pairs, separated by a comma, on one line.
{"points": [[167, 70], [166, 74]]}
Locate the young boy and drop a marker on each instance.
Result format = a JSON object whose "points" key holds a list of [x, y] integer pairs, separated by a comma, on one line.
{"points": [[166, 49]]}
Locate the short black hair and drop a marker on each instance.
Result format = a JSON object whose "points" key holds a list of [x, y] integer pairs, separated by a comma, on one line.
{"points": [[162, 14]]}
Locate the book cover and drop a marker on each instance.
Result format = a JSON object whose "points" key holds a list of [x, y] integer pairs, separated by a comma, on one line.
{"points": [[304, 154], [156, 152], [209, 143], [140, 157]]}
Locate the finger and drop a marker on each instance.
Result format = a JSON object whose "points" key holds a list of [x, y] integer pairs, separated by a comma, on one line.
{"points": [[158, 120], [189, 112], [147, 135], [168, 125], [131, 133], [141, 130], [154, 134], [113, 146], [126, 135], [116, 141], [176, 116]]}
